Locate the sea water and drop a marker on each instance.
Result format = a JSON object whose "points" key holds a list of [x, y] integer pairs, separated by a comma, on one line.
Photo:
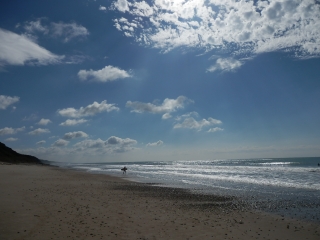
{"points": [[286, 185]]}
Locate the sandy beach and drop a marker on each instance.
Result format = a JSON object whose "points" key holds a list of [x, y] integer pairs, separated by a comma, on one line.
{"points": [[44, 202]]}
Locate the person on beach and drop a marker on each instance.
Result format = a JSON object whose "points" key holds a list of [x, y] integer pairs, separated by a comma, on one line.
{"points": [[124, 169]]}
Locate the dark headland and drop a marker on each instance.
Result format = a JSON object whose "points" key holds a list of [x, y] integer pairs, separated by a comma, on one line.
{"points": [[8, 155]]}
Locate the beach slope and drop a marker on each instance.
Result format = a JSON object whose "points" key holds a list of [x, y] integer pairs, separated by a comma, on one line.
{"points": [[44, 202]]}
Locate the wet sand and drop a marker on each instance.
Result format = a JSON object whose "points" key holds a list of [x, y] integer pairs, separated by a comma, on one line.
{"points": [[44, 202]]}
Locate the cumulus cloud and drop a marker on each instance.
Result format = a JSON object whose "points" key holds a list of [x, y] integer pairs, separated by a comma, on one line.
{"points": [[216, 129], [20, 50], [60, 143], [111, 145], [155, 144], [41, 142], [35, 26], [239, 28], [121, 5], [166, 116], [87, 144], [72, 122], [11, 139], [168, 105], [187, 115], [126, 26], [106, 74], [89, 110], [9, 131], [102, 8], [44, 121], [75, 59], [225, 64], [31, 117], [69, 30], [191, 123], [119, 141], [39, 131], [6, 101], [65, 31], [72, 135]]}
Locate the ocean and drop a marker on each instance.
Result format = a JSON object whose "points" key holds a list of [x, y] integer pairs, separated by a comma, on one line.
{"points": [[287, 186]]}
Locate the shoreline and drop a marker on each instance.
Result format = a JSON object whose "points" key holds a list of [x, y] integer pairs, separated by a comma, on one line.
{"points": [[48, 202], [299, 207]]}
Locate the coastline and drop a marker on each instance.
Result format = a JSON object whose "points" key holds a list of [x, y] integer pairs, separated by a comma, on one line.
{"points": [[46, 202]]}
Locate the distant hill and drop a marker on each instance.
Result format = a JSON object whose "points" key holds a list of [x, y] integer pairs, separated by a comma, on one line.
{"points": [[10, 156]]}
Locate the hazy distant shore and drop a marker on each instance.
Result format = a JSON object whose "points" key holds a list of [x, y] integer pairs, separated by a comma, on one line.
{"points": [[44, 202]]}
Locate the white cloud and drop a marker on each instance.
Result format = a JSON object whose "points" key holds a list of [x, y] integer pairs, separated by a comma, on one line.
{"points": [[119, 141], [142, 9], [186, 115], [41, 142], [168, 105], [39, 131], [19, 50], [126, 26], [69, 30], [123, 24], [158, 143], [72, 135], [75, 59], [106, 74], [87, 144], [216, 129], [89, 110], [225, 64], [60, 143], [44, 121], [166, 116], [73, 122], [121, 5], [35, 26], [111, 145], [191, 123], [6, 101], [102, 8], [7, 131], [11, 139], [31, 117], [237, 27], [65, 31]]}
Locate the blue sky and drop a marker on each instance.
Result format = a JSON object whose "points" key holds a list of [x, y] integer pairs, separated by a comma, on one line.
{"points": [[90, 81]]}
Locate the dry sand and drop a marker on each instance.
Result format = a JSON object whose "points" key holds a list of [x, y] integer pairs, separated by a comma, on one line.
{"points": [[43, 202]]}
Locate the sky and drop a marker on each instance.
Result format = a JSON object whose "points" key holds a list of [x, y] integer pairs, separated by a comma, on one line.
{"points": [[125, 80]]}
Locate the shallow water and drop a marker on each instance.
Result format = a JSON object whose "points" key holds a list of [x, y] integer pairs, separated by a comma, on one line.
{"points": [[290, 186]]}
